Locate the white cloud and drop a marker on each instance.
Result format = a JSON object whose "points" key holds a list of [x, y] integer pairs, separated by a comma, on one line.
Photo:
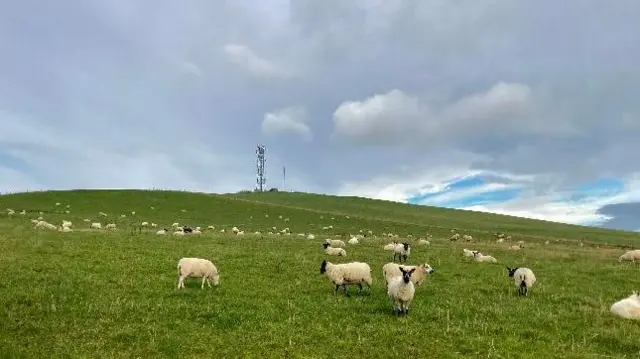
{"points": [[245, 58], [288, 120]]}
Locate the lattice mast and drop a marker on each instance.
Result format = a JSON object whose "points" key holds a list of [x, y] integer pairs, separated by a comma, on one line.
{"points": [[261, 180]]}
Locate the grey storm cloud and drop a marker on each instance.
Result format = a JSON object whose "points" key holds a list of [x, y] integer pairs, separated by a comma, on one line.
{"points": [[177, 95]]}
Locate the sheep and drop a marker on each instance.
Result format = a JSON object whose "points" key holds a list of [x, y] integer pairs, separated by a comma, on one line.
{"points": [[392, 270], [515, 247], [144, 224], [467, 238], [176, 224], [353, 240], [196, 231], [347, 274], [390, 247], [66, 223], [455, 237], [211, 227], [187, 229], [178, 233], [424, 242], [402, 250], [333, 251], [401, 291], [96, 225], [481, 258], [627, 308], [468, 253], [65, 229], [47, 225], [86, 220], [523, 279], [110, 226], [631, 256], [23, 212], [102, 214], [154, 225], [162, 231], [123, 216], [199, 268], [335, 243], [311, 236]]}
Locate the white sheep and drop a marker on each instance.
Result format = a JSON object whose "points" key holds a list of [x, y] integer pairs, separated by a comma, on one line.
{"points": [[523, 279], [102, 214], [144, 224], [515, 247], [311, 236], [199, 268], [66, 223], [401, 291], [631, 256], [110, 226], [424, 242], [96, 225], [347, 274], [211, 227], [162, 231], [154, 225], [469, 253], [196, 231], [46, 225], [627, 308], [353, 240], [176, 224], [335, 243], [467, 238], [392, 270], [402, 250], [334, 251], [390, 247], [65, 229], [455, 237], [481, 258], [178, 233]]}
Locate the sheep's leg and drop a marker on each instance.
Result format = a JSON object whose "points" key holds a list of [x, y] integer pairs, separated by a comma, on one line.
{"points": [[336, 290], [180, 282], [405, 258], [346, 290], [204, 279], [359, 288], [394, 256], [209, 282]]}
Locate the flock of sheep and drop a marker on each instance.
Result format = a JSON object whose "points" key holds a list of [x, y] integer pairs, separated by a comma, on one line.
{"points": [[400, 279]]}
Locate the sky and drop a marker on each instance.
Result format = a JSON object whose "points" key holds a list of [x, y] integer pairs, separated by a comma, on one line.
{"points": [[526, 108]]}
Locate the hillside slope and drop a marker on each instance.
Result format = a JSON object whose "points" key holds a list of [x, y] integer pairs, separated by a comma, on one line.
{"points": [[307, 213]]}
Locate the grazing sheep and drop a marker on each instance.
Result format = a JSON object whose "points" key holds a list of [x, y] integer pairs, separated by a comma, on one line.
{"points": [[481, 258], [515, 247], [110, 226], [335, 243], [353, 240], [523, 278], [392, 270], [211, 227], [96, 225], [154, 225], [187, 229], [390, 247], [102, 214], [455, 237], [401, 290], [66, 223], [199, 268], [467, 238], [162, 231], [144, 224], [347, 274], [333, 251], [178, 233], [311, 236], [631, 256], [424, 242], [402, 250], [196, 231], [627, 308]]}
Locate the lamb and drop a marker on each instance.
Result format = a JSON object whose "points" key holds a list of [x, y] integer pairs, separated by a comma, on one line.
{"points": [[347, 273], [631, 256], [455, 237], [523, 279], [481, 258], [311, 236], [627, 308], [515, 247], [353, 240], [144, 224], [154, 225], [467, 238], [66, 223], [178, 233], [199, 268], [402, 250], [401, 290], [110, 226], [424, 242], [162, 231], [392, 270], [335, 242], [333, 251], [96, 225]]}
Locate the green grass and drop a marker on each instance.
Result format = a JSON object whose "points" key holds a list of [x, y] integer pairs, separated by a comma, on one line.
{"points": [[112, 294]]}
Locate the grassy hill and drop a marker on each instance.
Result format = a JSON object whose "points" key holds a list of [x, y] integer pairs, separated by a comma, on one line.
{"points": [[99, 293]]}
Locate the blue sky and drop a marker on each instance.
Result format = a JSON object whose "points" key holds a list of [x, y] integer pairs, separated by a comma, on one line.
{"points": [[468, 104]]}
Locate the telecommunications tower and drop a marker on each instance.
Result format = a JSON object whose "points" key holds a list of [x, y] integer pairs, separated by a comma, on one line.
{"points": [[261, 180]]}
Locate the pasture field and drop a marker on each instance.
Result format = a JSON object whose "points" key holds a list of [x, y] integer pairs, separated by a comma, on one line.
{"points": [[112, 294]]}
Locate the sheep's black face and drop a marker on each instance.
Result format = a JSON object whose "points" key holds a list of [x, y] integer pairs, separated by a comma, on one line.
{"points": [[323, 267], [406, 246], [511, 271], [325, 245], [406, 275]]}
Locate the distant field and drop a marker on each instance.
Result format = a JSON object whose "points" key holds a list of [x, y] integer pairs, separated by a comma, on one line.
{"points": [[111, 294]]}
